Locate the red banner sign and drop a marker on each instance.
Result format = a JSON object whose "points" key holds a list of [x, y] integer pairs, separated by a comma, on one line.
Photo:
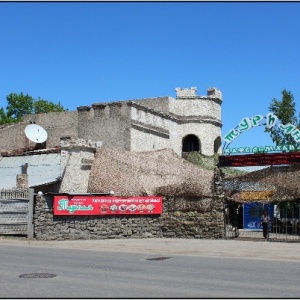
{"points": [[259, 159], [106, 205]]}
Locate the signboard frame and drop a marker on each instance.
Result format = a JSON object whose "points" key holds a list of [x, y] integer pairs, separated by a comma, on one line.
{"points": [[71, 205], [245, 160]]}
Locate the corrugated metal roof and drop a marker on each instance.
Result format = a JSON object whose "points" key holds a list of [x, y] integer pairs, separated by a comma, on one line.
{"points": [[42, 168]]}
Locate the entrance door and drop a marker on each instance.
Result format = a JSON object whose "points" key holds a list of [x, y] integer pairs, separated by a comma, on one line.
{"points": [[253, 213], [190, 143]]}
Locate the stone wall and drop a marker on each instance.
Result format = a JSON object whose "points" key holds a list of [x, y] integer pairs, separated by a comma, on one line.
{"points": [[77, 156], [154, 123], [107, 123], [57, 125], [144, 139], [151, 130], [181, 218], [12, 137], [161, 104], [184, 92]]}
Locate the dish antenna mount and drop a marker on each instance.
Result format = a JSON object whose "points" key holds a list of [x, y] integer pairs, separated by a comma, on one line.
{"points": [[36, 133]]}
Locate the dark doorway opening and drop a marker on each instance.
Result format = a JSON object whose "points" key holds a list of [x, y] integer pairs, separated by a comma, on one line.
{"points": [[217, 144], [190, 143]]}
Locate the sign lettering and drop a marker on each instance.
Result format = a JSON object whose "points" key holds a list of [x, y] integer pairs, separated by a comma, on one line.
{"points": [[270, 121], [261, 149], [259, 159], [106, 205]]}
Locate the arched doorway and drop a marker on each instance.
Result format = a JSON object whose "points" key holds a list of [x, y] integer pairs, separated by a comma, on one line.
{"points": [[190, 143], [217, 144]]}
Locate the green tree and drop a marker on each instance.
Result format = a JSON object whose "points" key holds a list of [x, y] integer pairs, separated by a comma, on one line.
{"points": [[43, 106], [19, 104], [4, 119], [285, 110]]}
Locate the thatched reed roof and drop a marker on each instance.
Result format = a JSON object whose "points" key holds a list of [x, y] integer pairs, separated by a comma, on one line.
{"points": [[160, 172], [274, 183]]}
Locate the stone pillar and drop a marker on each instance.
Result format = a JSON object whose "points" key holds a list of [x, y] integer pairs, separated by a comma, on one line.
{"points": [[218, 202], [22, 181]]}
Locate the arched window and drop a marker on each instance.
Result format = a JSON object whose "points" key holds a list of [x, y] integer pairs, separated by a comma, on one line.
{"points": [[217, 144], [190, 143]]}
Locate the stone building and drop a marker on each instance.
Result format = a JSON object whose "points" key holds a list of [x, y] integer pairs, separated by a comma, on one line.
{"points": [[187, 123], [132, 147], [192, 197]]}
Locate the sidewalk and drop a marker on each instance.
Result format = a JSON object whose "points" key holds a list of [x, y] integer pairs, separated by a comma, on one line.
{"points": [[260, 249], [258, 235]]}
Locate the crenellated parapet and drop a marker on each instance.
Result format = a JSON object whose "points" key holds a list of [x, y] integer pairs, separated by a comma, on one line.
{"points": [[144, 124], [186, 93], [213, 94]]}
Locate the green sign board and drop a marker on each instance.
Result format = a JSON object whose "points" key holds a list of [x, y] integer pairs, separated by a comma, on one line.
{"points": [[269, 121], [261, 149]]}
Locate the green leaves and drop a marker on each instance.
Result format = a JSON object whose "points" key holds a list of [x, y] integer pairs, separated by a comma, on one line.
{"points": [[4, 118], [44, 106], [19, 105], [285, 110]]}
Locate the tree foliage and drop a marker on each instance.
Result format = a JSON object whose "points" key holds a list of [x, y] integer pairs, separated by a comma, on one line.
{"points": [[4, 118], [43, 106], [19, 105], [285, 110]]}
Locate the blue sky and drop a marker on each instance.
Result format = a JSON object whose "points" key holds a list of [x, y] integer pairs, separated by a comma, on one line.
{"points": [[81, 53]]}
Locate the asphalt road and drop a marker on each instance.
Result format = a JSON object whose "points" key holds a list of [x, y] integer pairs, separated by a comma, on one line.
{"points": [[149, 268], [260, 249]]}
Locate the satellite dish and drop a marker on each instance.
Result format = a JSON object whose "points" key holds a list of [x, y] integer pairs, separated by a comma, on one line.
{"points": [[36, 133]]}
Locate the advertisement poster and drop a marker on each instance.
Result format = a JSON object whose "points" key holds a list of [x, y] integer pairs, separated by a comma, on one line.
{"points": [[65, 205], [253, 213]]}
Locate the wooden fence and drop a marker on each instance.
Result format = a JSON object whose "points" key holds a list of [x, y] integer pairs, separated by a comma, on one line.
{"points": [[16, 212]]}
